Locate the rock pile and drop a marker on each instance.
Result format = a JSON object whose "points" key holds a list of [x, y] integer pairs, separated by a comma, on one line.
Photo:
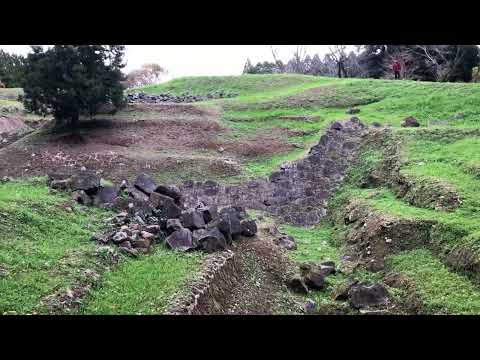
{"points": [[360, 295], [153, 213], [184, 98]]}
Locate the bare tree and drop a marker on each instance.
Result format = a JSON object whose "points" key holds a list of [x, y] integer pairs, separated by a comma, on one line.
{"points": [[339, 56], [278, 62], [298, 61], [150, 73]]}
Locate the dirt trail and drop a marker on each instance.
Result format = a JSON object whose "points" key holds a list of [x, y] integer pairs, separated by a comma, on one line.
{"points": [[261, 289]]}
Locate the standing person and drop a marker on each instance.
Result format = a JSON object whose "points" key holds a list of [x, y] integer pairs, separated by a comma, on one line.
{"points": [[396, 67]]}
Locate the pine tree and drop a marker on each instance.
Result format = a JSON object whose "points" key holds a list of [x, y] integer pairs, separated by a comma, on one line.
{"points": [[73, 80]]}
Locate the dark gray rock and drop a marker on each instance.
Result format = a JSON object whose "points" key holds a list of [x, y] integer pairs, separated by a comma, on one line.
{"points": [[119, 237], [170, 191], [136, 194], [170, 210], [192, 219], [315, 280], [174, 224], [142, 243], [209, 213], [81, 197], [296, 284], [106, 195], [87, 181], [180, 239], [410, 122], [363, 295], [353, 111], [209, 240], [249, 227], [145, 184], [287, 242]]}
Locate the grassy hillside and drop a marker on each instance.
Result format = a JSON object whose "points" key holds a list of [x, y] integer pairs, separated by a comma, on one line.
{"points": [[444, 149], [34, 264], [46, 255]]}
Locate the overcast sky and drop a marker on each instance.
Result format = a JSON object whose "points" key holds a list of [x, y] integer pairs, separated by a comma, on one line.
{"points": [[194, 60]]}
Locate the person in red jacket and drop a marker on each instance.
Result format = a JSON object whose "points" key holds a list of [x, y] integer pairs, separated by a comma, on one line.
{"points": [[396, 67]]}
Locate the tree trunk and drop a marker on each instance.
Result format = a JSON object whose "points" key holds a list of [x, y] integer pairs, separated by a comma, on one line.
{"points": [[74, 123], [339, 69]]}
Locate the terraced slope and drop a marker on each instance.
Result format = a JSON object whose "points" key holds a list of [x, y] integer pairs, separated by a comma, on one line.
{"points": [[424, 180]]}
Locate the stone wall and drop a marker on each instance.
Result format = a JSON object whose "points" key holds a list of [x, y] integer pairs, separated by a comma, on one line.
{"points": [[298, 192]]}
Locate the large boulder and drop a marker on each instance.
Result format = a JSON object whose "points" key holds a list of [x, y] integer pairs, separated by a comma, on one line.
{"points": [[170, 191], [136, 194], [174, 224], [106, 195], [145, 184], [249, 227], [87, 181], [166, 204], [363, 295], [209, 213], [315, 279], [209, 240], [230, 224], [180, 239], [192, 219]]}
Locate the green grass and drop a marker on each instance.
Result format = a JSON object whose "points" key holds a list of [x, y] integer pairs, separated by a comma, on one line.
{"points": [[313, 244], [43, 248], [142, 286], [441, 291], [243, 85]]}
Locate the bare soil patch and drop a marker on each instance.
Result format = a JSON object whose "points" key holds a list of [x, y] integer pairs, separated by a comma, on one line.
{"points": [[12, 124], [173, 141]]}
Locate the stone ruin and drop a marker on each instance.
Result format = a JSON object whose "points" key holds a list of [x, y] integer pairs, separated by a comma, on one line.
{"points": [[297, 193], [184, 98], [151, 213]]}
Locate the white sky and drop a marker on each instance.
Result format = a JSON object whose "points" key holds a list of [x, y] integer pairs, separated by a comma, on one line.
{"points": [[195, 60]]}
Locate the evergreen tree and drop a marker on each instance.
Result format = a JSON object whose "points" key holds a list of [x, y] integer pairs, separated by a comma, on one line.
{"points": [[73, 80], [11, 69]]}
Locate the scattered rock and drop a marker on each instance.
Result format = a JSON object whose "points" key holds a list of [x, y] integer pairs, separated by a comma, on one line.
{"points": [[410, 122], [106, 196], [363, 295], [459, 116], [170, 191], [209, 240], [315, 280], [209, 213], [174, 224], [87, 181], [249, 227], [180, 239], [192, 219], [353, 111], [120, 237], [81, 197], [287, 242], [167, 204], [297, 284], [145, 184]]}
